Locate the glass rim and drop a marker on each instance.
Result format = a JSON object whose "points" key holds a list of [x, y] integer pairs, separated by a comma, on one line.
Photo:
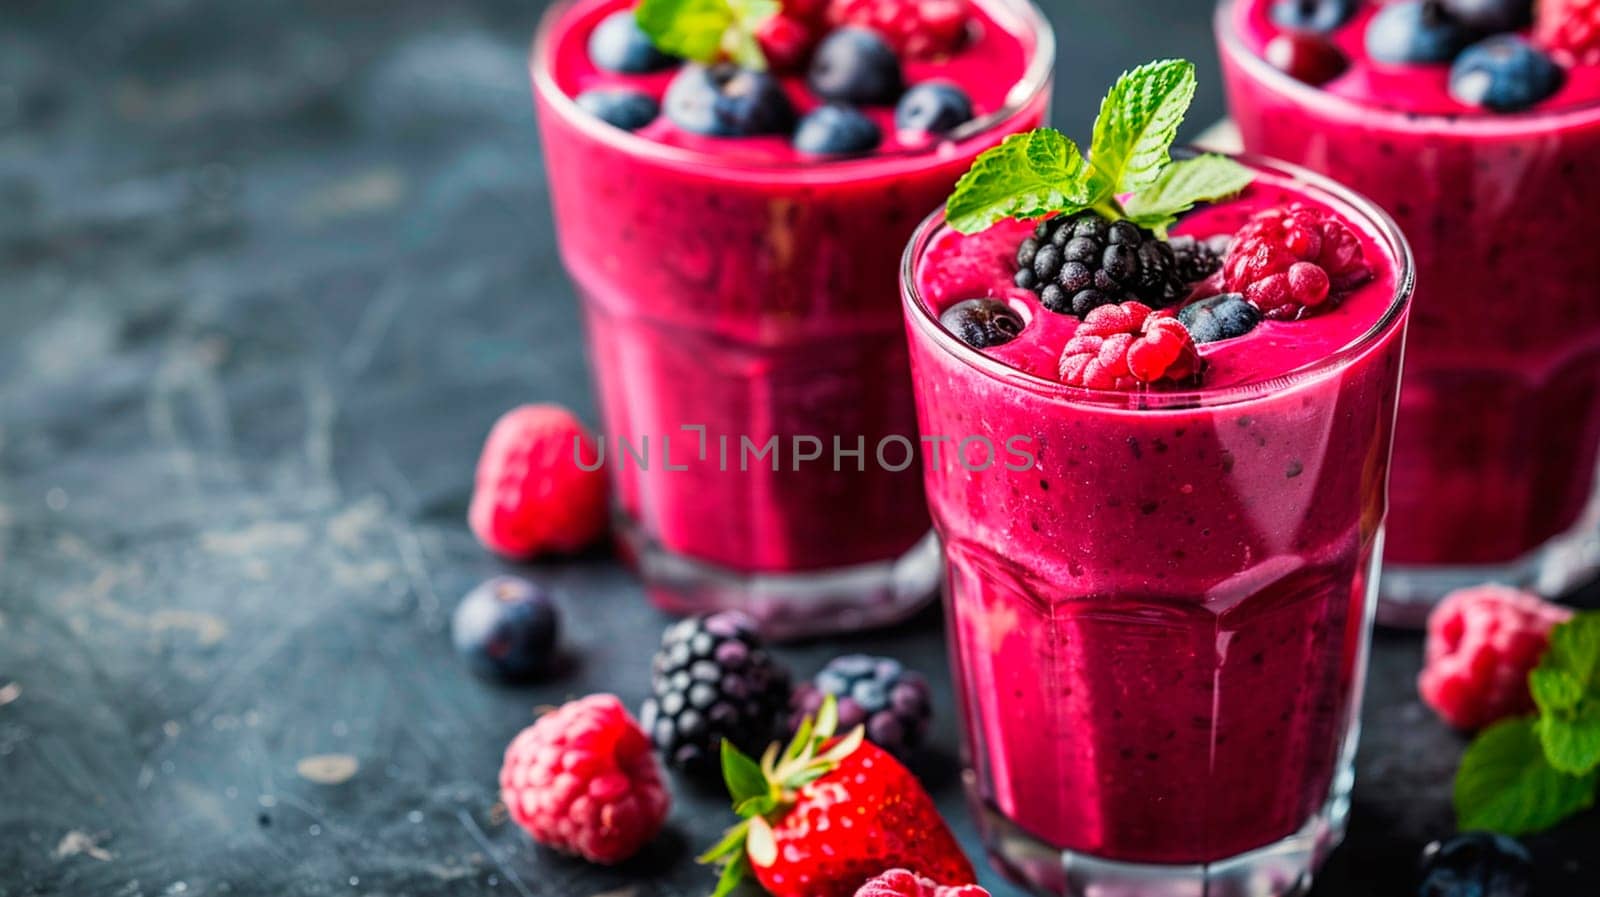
{"points": [[1231, 45], [1034, 82], [926, 322]]}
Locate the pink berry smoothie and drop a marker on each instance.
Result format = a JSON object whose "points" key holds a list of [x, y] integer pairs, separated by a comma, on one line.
{"points": [[1159, 629], [737, 291], [1495, 452]]}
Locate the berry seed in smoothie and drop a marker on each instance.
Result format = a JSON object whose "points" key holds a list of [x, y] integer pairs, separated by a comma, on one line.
{"points": [[1159, 626]]}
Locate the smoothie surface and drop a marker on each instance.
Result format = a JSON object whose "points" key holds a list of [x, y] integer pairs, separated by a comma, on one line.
{"points": [[989, 68], [1422, 89], [958, 266]]}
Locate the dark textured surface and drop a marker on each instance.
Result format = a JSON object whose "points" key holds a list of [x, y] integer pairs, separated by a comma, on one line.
{"points": [[267, 274]]}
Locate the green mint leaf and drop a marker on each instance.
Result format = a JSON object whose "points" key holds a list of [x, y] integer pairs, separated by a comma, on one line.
{"points": [[1181, 185], [733, 875], [1027, 176], [1138, 121], [1506, 785], [1566, 686], [707, 30], [743, 776]]}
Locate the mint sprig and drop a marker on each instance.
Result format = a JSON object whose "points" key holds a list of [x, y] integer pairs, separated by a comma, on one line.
{"points": [[708, 30], [1525, 775], [1128, 174]]}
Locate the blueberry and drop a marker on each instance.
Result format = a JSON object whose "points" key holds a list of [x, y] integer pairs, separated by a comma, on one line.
{"points": [[1320, 16], [836, 130], [981, 323], [1219, 318], [506, 629], [1415, 31], [932, 107], [728, 101], [1306, 57], [620, 45], [1491, 16], [1504, 73], [1476, 864], [855, 65], [629, 110]]}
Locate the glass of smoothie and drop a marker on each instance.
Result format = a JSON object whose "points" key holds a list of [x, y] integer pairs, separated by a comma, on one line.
{"points": [[734, 235], [1161, 585], [1478, 129]]}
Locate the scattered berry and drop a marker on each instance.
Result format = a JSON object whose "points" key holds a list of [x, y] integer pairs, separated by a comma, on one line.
{"points": [[1477, 864], [932, 107], [854, 65], [836, 812], [727, 101], [629, 110], [713, 680], [905, 883], [786, 42], [1491, 16], [1306, 57], [506, 629], [531, 496], [620, 45], [876, 692], [835, 129], [982, 323], [1219, 318], [1570, 29], [1318, 16], [919, 29], [1288, 261], [1504, 73], [1080, 262], [811, 12], [1198, 259], [1415, 31], [582, 780], [1482, 643], [1125, 346]]}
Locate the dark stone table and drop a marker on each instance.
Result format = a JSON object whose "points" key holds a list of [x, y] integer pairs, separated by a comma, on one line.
{"points": [[267, 273]]}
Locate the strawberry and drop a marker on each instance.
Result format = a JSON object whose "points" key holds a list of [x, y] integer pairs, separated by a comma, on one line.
{"points": [[827, 815], [1570, 29]]}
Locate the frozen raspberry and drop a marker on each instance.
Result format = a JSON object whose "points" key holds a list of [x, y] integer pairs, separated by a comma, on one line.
{"points": [[1569, 29], [583, 781], [1482, 643], [531, 496], [1125, 346], [904, 883], [917, 29], [786, 42], [1289, 261]]}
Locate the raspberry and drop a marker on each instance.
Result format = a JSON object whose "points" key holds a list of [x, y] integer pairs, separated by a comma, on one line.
{"points": [[582, 780], [876, 692], [1289, 261], [531, 496], [918, 29], [713, 680], [1482, 643], [1569, 29], [1124, 346], [904, 883], [1077, 263], [786, 42]]}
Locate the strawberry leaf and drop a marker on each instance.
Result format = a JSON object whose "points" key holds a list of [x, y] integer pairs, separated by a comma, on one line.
{"points": [[734, 874], [761, 845], [732, 842], [742, 775]]}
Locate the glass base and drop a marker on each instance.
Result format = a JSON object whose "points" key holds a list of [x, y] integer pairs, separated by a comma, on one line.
{"points": [[1409, 593], [789, 606], [1281, 869]]}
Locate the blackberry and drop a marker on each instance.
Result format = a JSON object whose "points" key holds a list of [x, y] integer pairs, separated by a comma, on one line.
{"points": [[1077, 263], [877, 692], [1198, 259], [712, 680]]}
